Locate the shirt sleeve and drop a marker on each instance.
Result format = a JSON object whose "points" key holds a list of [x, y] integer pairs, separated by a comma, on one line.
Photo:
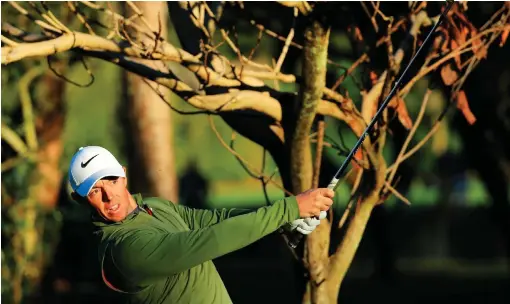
{"points": [[201, 218], [148, 254]]}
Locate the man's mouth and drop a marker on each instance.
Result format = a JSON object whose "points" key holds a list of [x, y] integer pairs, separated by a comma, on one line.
{"points": [[113, 209]]}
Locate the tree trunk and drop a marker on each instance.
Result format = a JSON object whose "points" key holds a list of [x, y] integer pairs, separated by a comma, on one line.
{"points": [[33, 238], [152, 160], [49, 131], [342, 259], [314, 79]]}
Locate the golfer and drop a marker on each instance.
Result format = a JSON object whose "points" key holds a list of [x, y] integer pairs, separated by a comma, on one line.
{"points": [[154, 251]]}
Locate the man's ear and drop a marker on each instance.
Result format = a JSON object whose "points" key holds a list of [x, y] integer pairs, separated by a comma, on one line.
{"points": [[125, 179]]}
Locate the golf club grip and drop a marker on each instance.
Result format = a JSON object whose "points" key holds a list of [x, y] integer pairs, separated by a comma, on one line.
{"points": [[295, 237]]}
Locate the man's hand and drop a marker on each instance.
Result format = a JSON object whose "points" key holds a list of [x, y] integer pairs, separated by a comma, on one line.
{"points": [[307, 225], [312, 202]]}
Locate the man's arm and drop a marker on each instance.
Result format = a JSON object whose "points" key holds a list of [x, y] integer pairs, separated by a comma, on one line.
{"points": [[201, 218], [148, 255]]}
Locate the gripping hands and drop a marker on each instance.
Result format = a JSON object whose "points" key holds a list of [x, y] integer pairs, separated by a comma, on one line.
{"points": [[307, 225], [313, 206]]}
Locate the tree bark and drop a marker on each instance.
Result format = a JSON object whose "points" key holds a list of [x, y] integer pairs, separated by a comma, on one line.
{"points": [[153, 159], [315, 54], [314, 81], [342, 259]]}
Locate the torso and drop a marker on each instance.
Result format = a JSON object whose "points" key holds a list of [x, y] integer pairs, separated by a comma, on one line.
{"points": [[200, 284]]}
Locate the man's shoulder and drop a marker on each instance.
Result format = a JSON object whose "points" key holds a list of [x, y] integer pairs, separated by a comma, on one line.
{"points": [[158, 202]]}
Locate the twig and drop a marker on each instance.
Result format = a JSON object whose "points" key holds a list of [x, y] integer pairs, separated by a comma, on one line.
{"points": [[400, 156], [198, 21], [80, 17], [397, 194], [155, 88], [15, 161], [63, 77], [264, 183], [284, 39], [371, 17], [118, 17], [9, 41], [236, 155], [41, 23], [231, 44], [26, 106], [346, 213], [14, 140], [459, 50], [432, 131], [224, 144], [364, 56], [288, 41], [252, 52], [141, 16], [493, 17], [54, 19]]}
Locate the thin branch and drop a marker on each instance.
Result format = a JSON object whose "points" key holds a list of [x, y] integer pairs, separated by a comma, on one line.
{"points": [[418, 146], [264, 183], [84, 41], [14, 140], [140, 15], [41, 23], [364, 56], [15, 161], [27, 108], [155, 88], [459, 50], [236, 155], [51, 18], [63, 77], [371, 17], [80, 17], [397, 194], [400, 156], [9, 41], [224, 144], [288, 41]]}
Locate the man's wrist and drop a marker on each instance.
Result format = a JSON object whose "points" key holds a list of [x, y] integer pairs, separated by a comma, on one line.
{"points": [[293, 208]]}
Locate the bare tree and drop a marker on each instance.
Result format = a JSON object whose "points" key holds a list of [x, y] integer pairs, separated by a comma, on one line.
{"points": [[246, 93]]}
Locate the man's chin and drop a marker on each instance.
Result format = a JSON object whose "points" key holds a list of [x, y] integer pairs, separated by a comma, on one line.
{"points": [[117, 217]]}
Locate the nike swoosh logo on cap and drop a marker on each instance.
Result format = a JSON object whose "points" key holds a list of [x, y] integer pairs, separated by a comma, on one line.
{"points": [[84, 164]]}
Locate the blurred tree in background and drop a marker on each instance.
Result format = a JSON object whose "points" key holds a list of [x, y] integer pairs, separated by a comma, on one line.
{"points": [[152, 160], [292, 78]]}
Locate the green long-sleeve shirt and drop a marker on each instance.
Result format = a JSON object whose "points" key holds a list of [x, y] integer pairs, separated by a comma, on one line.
{"points": [[166, 257]]}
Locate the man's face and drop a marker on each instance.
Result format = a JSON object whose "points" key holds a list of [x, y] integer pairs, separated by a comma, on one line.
{"points": [[111, 199]]}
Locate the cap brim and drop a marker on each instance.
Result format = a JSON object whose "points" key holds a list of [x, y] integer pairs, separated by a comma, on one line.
{"points": [[84, 188]]}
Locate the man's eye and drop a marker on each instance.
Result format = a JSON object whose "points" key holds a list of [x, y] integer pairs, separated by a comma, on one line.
{"points": [[114, 181]]}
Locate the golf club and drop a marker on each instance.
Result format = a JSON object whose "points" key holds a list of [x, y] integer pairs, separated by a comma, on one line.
{"points": [[295, 237]]}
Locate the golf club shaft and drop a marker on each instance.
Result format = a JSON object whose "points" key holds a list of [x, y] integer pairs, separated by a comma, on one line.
{"points": [[295, 237]]}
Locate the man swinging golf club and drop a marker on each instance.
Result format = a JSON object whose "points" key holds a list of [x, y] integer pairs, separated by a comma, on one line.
{"points": [[154, 251]]}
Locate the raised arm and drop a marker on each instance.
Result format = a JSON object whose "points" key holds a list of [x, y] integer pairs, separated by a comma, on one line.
{"points": [[148, 255], [201, 218]]}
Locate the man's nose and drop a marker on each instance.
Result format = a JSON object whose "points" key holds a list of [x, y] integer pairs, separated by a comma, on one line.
{"points": [[107, 194]]}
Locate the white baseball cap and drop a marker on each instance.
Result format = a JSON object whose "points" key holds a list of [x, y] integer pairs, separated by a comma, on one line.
{"points": [[89, 165]]}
